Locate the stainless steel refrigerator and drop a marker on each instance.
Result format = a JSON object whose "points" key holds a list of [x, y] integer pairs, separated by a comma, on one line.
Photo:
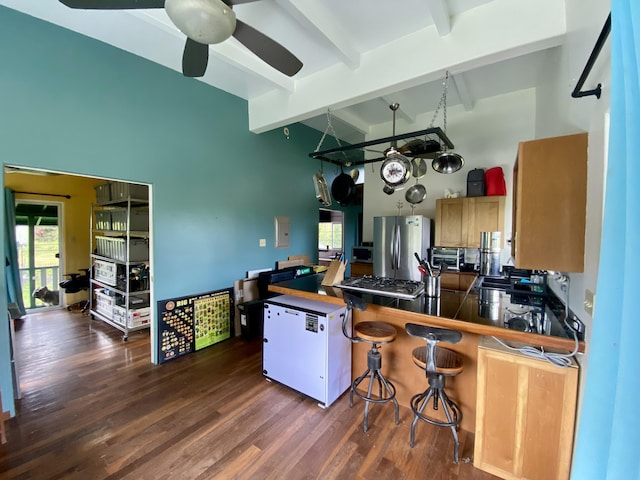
{"points": [[395, 239]]}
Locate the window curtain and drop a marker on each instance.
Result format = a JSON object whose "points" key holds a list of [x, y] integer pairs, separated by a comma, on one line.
{"points": [[608, 441], [12, 269]]}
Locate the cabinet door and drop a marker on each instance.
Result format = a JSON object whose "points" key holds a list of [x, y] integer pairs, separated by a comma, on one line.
{"points": [[450, 281], [550, 191], [451, 222], [359, 269], [486, 214], [525, 414]]}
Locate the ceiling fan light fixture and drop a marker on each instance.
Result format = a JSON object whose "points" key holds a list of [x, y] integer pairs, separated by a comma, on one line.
{"points": [[447, 162], [203, 21]]}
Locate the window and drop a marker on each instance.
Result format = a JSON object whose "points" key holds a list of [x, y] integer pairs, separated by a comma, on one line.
{"points": [[330, 230]]}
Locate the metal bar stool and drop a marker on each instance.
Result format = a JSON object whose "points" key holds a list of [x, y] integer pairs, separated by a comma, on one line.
{"points": [[438, 363], [375, 333]]}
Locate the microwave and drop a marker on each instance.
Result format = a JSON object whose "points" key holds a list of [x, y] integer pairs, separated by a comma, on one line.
{"points": [[452, 257], [362, 254]]}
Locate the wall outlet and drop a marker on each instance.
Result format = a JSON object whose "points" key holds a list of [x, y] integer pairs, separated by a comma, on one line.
{"points": [[263, 242], [589, 301]]}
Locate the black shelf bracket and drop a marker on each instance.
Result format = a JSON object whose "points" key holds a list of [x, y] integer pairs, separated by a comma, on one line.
{"points": [[577, 92]]}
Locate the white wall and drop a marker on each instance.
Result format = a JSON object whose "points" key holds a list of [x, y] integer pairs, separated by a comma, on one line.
{"points": [[559, 114], [486, 137]]}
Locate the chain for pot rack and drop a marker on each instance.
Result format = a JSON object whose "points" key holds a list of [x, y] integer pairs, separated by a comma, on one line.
{"points": [[443, 102], [331, 130]]}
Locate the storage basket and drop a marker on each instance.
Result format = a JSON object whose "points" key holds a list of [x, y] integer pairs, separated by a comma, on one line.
{"points": [[123, 191], [138, 219], [103, 193], [105, 272], [105, 302]]}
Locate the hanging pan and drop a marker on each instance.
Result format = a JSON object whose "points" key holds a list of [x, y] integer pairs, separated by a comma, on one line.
{"points": [[416, 193], [418, 167], [343, 188]]}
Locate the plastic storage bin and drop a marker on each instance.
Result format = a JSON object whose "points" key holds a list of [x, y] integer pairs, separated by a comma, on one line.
{"points": [[103, 220], [116, 248], [122, 191], [138, 218], [131, 318], [103, 193], [105, 272], [105, 302]]}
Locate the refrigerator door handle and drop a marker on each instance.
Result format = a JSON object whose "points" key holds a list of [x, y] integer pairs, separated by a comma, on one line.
{"points": [[392, 248], [398, 247]]}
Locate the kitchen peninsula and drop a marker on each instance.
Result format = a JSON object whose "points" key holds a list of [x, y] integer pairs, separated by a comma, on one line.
{"points": [[459, 310]]}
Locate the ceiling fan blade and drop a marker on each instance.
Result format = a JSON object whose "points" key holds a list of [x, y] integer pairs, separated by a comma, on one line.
{"points": [[195, 58], [231, 3], [113, 4], [267, 49]]}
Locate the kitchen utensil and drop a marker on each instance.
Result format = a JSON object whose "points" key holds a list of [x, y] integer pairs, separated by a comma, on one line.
{"points": [[322, 189], [416, 193], [447, 162], [396, 168], [432, 286], [343, 188], [418, 167]]}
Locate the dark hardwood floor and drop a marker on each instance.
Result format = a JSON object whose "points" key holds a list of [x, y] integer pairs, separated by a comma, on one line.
{"points": [[94, 407]]}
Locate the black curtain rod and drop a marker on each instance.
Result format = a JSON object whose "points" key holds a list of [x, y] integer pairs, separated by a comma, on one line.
{"points": [[577, 93], [46, 194]]}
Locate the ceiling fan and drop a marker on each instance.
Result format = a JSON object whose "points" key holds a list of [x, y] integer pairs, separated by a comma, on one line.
{"points": [[205, 22]]}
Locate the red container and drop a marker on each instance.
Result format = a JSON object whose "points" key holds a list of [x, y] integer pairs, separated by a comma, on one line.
{"points": [[494, 181]]}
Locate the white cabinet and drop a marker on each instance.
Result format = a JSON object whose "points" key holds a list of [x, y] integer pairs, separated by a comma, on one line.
{"points": [[119, 286], [304, 347]]}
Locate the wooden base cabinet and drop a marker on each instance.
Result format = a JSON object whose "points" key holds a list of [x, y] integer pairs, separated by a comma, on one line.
{"points": [[457, 280], [459, 221], [525, 415], [359, 269]]}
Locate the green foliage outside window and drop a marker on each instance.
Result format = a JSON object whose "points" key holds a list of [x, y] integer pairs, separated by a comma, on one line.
{"points": [[330, 236]]}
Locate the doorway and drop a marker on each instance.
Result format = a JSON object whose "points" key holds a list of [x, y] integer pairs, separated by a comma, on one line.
{"points": [[38, 238], [330, 235]]}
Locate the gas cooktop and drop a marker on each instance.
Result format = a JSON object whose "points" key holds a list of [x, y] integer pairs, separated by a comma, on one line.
{"points": [[389, 287]]}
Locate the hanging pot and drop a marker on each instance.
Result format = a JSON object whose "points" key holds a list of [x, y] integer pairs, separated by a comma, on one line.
{"points": [[447, 162], [343, 188], [416, 194]]}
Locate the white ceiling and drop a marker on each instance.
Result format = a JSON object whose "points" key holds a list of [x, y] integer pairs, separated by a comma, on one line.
{"points": [[359, 56]]}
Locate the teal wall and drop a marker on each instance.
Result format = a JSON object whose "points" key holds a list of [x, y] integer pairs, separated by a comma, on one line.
{"points": [[73, 104]]}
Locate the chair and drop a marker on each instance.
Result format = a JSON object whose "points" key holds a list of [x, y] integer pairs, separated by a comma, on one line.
{"points": [[375, 333], [75, 284], [438, 363]]}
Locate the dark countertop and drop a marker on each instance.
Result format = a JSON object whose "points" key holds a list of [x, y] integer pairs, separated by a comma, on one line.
{"points": [[473, 311]]}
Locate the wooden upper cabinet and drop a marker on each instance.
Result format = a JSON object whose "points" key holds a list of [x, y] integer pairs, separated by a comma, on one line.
{"points": [[459, 221], [549, 206], [451, 222]]}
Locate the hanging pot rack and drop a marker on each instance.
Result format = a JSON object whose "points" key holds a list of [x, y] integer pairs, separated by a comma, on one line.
{"points": [[355, 152]]}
